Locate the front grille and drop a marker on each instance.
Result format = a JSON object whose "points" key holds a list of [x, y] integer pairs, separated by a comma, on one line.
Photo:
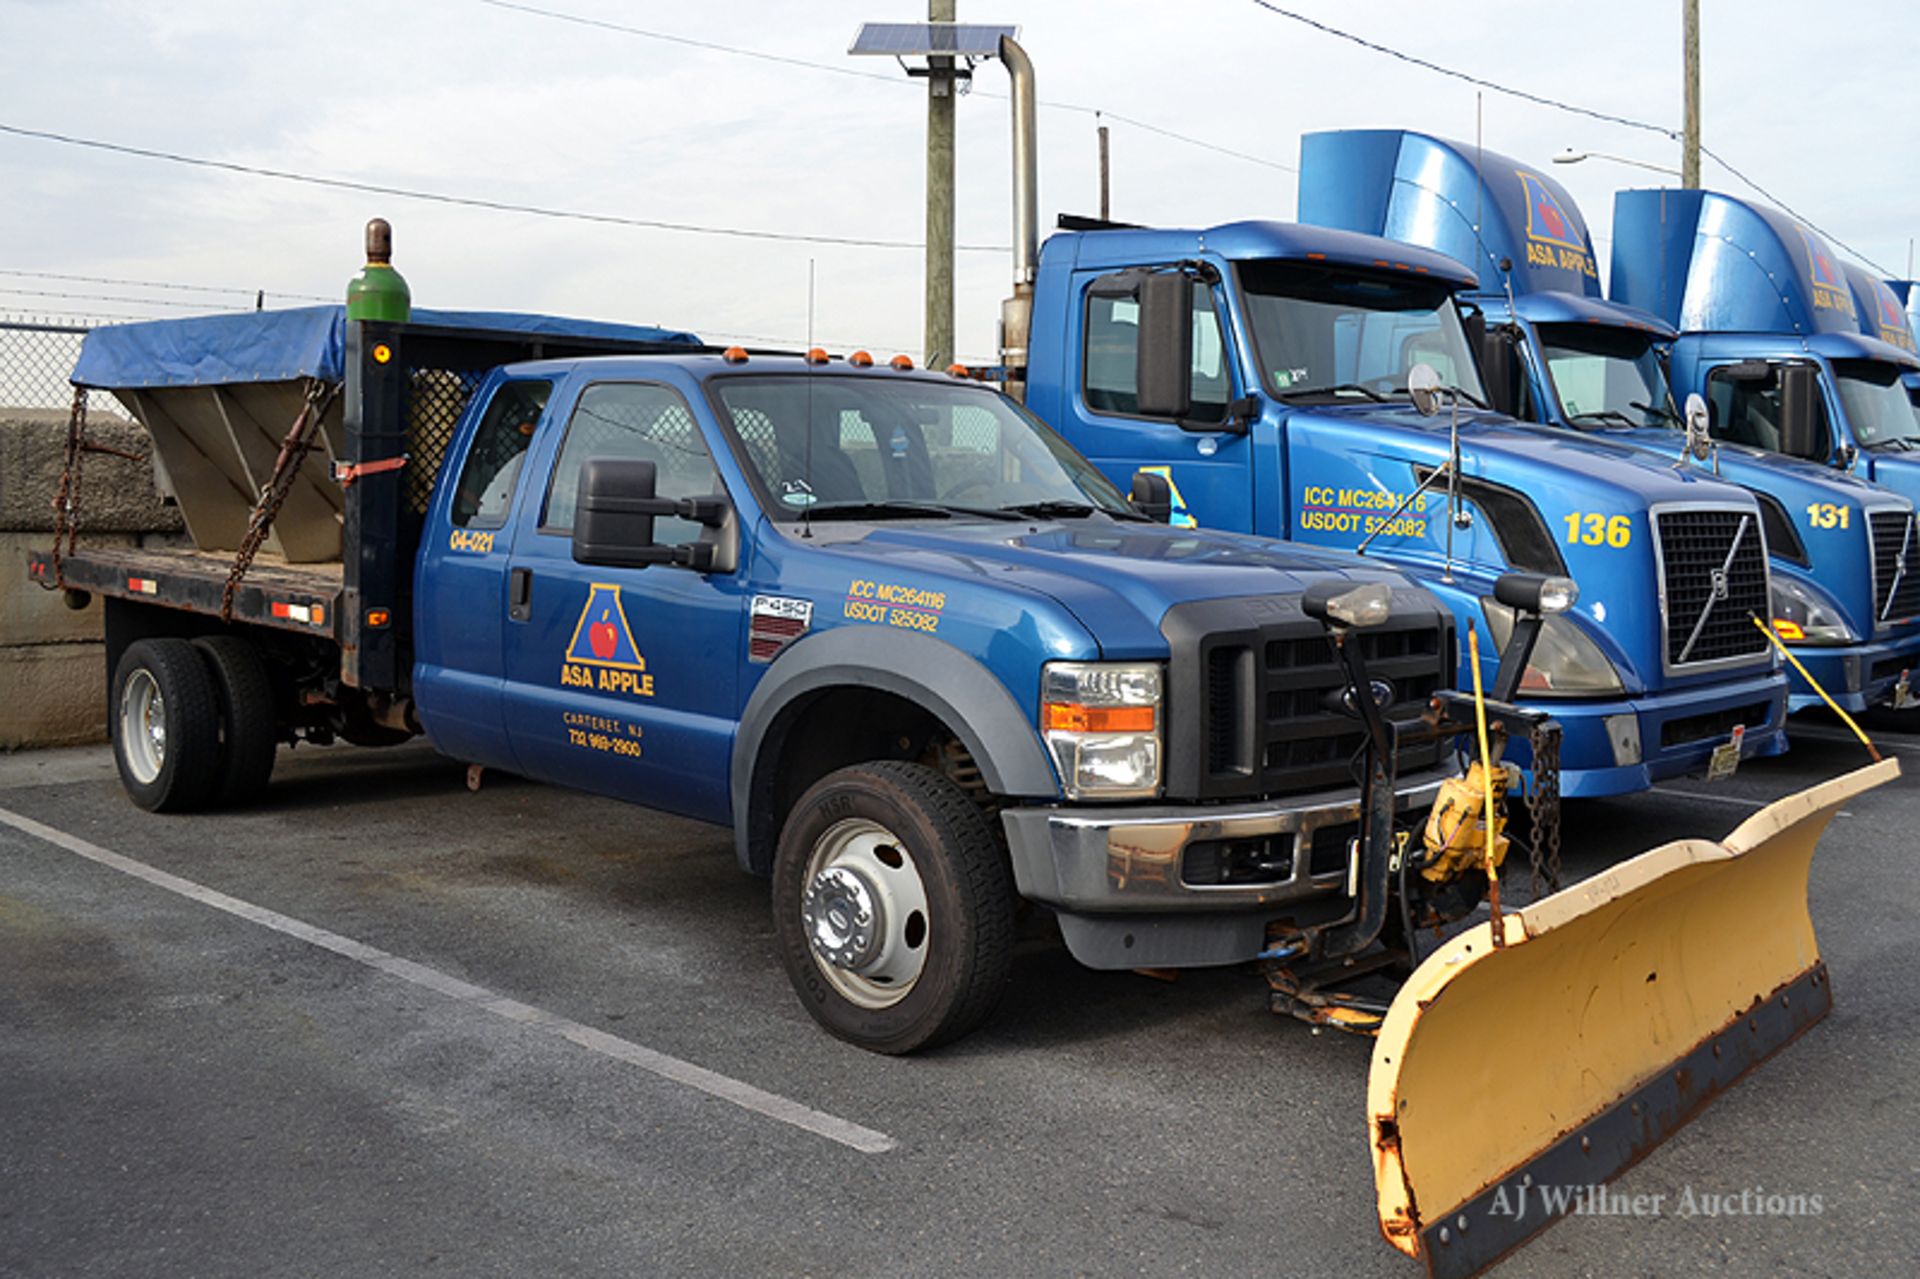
{"points": [[1893, 552], [1259, 703], [1714, 566], [1699, 728]]}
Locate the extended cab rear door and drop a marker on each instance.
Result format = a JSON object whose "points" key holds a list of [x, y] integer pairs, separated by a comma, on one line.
{"points": [[460, 585], [621, 680]]}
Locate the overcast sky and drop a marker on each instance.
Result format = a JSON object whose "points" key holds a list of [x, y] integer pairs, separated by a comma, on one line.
{"points": [[1816, 103]]}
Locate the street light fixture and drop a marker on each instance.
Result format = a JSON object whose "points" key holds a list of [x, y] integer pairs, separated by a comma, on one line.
{"points": [[1570, 156]]}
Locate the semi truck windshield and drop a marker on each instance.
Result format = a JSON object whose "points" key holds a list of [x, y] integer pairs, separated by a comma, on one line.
{"points": [[1877, 405], [903, 449], [1606, 378], [1345, 334]]}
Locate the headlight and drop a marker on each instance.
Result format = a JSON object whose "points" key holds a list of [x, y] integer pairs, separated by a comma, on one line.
{"points": [[1565, 662], [1801, 617], [1101, 720]]}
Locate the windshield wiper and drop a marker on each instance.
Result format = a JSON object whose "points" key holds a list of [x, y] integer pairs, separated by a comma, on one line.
{"points": [[1062, 507], [1899, 443], [1668, 414], [894, 508], [1335, 389], [1603, 415]]}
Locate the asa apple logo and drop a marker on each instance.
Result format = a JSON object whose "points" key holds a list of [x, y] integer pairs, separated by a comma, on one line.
{"points": [[603, 637]]}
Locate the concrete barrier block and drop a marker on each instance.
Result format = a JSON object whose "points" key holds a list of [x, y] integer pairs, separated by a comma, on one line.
{"points": [[117, 495], [30, 615], [52, 695]]}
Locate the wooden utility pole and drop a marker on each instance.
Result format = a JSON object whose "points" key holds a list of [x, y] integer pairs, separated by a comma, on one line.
{"points": [[940, 94], [1690, 128], [1106, 173]]}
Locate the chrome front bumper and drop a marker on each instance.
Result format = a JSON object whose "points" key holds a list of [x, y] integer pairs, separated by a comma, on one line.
{"points": [[1106, 860]]}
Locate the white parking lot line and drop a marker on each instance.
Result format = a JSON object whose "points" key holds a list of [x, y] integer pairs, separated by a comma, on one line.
{"points": [[1735, 800], [727, 1089]]}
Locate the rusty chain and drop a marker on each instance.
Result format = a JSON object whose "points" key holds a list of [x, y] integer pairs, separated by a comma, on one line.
{"points": [[1543, 810], [300, 440], [66, 502]]}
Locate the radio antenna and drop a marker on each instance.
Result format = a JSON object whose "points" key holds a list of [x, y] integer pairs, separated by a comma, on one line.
{"points": [[806, 480]]}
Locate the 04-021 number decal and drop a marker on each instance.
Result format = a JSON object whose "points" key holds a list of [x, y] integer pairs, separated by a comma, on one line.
{"points": [[1593, 529]]}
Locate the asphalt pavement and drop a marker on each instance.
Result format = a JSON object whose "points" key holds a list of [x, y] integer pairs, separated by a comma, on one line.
{"points": [[380, 1025]]}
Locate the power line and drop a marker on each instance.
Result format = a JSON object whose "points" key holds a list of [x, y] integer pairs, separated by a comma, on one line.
{"points": [[156, 284], [715, 47], [473, 202], [1558, 105], [107, 297]]}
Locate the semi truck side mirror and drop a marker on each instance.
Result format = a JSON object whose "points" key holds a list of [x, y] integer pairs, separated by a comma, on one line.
{"points": [[613, 518], [1801, 434], [1164, 367], [1153, 496]]}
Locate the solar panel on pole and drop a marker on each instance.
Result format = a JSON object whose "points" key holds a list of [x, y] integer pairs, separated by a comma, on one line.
{"points": [[931, 39]]}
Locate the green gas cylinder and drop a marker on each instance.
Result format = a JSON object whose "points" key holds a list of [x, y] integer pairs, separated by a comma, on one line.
{"points": [[379, 292]]}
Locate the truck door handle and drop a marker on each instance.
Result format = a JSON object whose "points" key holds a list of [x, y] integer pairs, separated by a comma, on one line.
{"points": [[520, 594]]}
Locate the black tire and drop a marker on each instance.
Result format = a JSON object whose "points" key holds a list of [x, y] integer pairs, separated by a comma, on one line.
{"points": [[967, 933], [249, 730], [175, 770]]}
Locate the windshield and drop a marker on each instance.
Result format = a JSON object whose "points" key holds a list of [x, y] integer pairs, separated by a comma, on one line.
{"points": [[903, 448], [1341, 334], [1606, 377], [1877, 405]]}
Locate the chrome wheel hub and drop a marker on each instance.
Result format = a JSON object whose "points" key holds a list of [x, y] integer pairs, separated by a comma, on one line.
{"points": [[143, 727], [865, 913]]}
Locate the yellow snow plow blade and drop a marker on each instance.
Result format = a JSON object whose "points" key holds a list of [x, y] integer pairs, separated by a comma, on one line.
{"points": [[1508, 1080]]}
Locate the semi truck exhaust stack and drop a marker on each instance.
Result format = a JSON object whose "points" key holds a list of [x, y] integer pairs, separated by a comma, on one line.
{"points": [[1016, 313]]}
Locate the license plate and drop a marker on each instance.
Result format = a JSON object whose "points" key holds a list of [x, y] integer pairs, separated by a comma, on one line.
{"points": [[1903, 693], [1726, 756]]}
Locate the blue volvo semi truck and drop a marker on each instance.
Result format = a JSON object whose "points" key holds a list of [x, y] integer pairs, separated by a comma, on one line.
{"points": [[1263, 369], [1555, 351]]}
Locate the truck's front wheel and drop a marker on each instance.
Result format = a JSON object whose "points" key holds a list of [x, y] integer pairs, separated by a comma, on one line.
{"points": [[165, 724], [893, 905]]}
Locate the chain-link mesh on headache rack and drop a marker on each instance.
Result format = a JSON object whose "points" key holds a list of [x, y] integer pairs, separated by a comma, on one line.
{"points": [[300, 440], [66, 502], [1543, 809]]}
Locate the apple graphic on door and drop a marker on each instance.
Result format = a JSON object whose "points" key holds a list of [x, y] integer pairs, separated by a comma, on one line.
{"points": [[602, 636]]}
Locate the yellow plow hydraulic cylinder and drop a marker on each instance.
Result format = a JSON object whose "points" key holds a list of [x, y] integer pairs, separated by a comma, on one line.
{"points": [[1506, 1077]]}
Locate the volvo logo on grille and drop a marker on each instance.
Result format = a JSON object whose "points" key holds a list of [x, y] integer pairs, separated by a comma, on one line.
{"points": [[1343, 701], [1719, 580]]}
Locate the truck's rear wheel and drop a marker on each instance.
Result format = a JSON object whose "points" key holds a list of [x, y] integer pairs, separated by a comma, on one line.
{"points": [[165, 724], [893, 905], [249, 732]]}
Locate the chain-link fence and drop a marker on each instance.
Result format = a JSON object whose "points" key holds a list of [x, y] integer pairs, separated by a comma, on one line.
{"points": [[36, 358]]}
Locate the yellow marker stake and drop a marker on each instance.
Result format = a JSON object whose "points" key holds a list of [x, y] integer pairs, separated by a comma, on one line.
{"points": [[1486, 778], [1845, 718]]}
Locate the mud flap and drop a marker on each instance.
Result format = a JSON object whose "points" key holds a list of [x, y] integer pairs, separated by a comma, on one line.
{"points": [[1505, 1079]]}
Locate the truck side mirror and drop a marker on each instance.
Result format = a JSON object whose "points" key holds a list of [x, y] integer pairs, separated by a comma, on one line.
{"points": [[614, 514], [1164, 367], [1153, 496], [1801, 433], [1498, 346]]}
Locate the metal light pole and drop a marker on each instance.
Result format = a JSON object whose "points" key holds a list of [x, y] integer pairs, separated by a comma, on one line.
{"points": [[1690, 127], [940, 93]]}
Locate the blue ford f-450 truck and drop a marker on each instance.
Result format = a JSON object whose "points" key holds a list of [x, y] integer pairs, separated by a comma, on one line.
{"points": [[918, 653], [1263, 369], [1556, 352]]}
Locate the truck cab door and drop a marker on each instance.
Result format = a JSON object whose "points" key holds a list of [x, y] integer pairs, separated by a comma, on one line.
{"points": [[623, 680], [460, 583], [1206, 460]]}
